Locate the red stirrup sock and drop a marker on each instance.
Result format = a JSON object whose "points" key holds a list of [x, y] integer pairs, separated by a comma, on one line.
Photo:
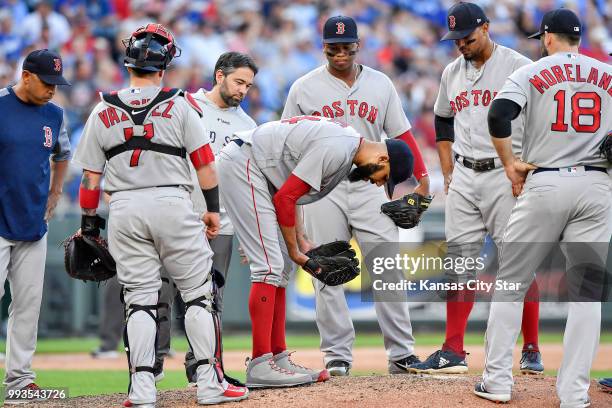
{"points": [[261, 309]]}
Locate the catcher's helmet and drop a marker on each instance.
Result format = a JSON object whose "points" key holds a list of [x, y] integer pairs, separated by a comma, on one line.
{"points": [[150, 48]]}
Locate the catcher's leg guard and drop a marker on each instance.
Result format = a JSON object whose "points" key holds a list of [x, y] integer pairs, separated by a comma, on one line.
{"points": [[140, 338], [200, 329]]}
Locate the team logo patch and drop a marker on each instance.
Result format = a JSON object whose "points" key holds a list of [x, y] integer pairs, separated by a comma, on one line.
{"points": [[451, 22], [339, 27], [58, 64], [48, 136]]}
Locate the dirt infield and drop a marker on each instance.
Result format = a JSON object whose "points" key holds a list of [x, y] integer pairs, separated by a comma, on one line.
{"points": [[371, 391], [367, 359]]}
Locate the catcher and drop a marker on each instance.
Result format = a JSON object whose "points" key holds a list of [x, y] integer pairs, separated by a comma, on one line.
{"points": [[263, 174]]}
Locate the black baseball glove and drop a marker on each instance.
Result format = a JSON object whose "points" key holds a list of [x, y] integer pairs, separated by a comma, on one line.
{"points": [[406, 212], [86, 254], [606, 147], [333, 264]]}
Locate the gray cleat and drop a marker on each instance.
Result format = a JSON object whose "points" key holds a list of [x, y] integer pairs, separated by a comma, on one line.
{"points": [[262, 372]]}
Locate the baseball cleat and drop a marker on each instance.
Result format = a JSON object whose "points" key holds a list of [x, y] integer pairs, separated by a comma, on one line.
{"points": [[483, 393], [606, 384], [402, 366], [581, 404], [531, 361], [262, 372], [441, 362], [232, 393], [33, 387], [104, 354], [129, 404], [338, 368], [283, 360]]}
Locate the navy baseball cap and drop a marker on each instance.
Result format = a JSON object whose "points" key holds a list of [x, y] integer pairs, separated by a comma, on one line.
{"points": [[340, 29], [463, 19], [401, 162], [561, 21], [47, 65]]}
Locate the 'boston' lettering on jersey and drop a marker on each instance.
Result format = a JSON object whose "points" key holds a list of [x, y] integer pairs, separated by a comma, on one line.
{"points": [[569, 73], [363, 109], [110, 116], [477, 96]]}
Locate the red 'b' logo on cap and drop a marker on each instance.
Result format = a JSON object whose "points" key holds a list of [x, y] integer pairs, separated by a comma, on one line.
{"points": [[58, 64], [451, 22], [340, 27]]}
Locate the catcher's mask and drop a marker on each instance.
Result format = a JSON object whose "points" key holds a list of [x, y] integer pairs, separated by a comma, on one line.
{"points": [[150, 48]]}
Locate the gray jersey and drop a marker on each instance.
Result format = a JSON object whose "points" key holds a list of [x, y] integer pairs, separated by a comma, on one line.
{"points": [[466, 93], [371, 106], [220, 124], [173, 122], [317, 150], [565, 97]]}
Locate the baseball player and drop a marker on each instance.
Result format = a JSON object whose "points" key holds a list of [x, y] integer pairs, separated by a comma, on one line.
{"points": [[140, 138], [31, 130], [262, 175], [563, 177], [365, 99], [222, 117], [479, 199]]}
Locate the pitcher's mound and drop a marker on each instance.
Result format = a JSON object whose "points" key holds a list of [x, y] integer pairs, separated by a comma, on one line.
{"points": [[368, 391]]}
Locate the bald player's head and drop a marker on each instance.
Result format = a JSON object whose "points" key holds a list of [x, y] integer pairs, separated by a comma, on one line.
{"points": [[389, 162]]}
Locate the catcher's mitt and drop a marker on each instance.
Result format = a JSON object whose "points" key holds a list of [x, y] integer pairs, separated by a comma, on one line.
{"points": [[86, 254], [406, 212], [606, 147], [336, 263]]}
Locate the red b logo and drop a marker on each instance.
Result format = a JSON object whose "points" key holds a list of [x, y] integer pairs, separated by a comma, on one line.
{"points": [[451, 22], [340, 27], [58, 64], [48, 136]]}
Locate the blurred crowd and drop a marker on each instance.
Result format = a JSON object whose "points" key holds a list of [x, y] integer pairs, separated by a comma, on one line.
{"points": [[398, 37]]}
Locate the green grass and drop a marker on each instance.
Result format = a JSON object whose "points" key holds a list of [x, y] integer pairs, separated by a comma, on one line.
{"points": [[116, 381], [243, 342]]}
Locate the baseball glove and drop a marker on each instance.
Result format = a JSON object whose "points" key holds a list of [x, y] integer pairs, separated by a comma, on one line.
{"points": [[336, 263], [406, 212], [86, 255], [606, 147]]}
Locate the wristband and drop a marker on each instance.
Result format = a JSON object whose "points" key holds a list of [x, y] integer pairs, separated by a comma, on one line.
{"points": [[211, 196], [89, 199]]}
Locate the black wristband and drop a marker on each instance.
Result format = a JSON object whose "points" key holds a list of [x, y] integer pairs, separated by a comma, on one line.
{"points": [[211, 196], [92, 224]]}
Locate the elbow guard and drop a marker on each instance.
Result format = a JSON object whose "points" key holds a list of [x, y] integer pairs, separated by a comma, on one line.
{"points": [[445, 128], [500, 117]]}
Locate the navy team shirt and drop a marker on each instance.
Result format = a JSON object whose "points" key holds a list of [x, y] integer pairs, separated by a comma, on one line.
{"points": [[29, 135]]}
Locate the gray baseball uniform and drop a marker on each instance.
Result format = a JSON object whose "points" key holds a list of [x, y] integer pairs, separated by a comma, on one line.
{"points": [[565, 97], [318, 151], [152, 224], [478, 202], [373, 108]]}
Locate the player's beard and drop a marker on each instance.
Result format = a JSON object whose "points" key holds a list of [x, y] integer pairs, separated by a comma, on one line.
{"points": [[364, 172], [229, 100]]}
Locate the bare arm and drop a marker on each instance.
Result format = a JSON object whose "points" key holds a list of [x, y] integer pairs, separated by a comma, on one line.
{"points": [[445, 153], [207, 178], [58, 173], [90, 185]]}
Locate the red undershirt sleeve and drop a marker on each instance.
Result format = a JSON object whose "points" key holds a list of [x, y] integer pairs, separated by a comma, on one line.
{"points": [[284, 200], [420, 170]]}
